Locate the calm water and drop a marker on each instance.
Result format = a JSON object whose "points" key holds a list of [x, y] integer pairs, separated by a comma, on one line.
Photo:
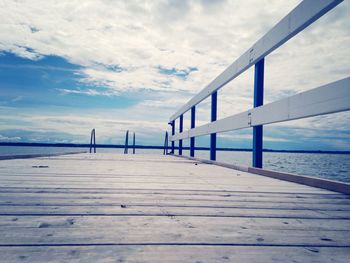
{"points": [[329, 166]]}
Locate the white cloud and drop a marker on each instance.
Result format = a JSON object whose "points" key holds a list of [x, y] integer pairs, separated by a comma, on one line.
{"points": [[110, 127], [89, 92], [7, 139], [139, 36]]}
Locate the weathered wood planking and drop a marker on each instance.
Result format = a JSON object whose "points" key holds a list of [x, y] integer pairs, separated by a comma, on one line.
{"points": [[185, 175], [170, 230], [164, 253], [145, 208]]}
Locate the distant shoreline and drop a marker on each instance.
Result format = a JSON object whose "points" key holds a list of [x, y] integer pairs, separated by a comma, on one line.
{"points": [[118, 146]]}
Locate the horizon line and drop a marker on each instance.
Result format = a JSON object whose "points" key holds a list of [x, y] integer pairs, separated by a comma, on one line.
{"points": [[121, 146]]}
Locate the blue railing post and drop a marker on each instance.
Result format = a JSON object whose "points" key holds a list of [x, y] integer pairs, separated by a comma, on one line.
{"points": [[214, 108], [173, 133], [193, 125], [258, 101], [181, 127]]}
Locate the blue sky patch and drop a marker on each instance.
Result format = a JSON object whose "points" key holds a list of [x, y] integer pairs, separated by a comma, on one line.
{"points": [[51, 81], [181, 73]]}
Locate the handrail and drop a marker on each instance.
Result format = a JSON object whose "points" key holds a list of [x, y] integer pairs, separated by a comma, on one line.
{"points": [[93, 139], [126, 145], [297, 20], [166, 144], [126, 142], [330, 98]]}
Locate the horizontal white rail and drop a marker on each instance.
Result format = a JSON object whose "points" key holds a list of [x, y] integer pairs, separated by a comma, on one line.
{"points": [[299, 18], [330, 98]]}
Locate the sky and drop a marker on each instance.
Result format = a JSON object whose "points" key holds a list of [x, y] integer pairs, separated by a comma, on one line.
{"points": [[69, 66]]}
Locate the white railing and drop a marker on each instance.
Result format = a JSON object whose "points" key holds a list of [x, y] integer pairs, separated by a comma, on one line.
{"points": [[330, 98]]}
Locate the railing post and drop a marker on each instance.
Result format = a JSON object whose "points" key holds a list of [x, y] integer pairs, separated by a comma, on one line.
{"points": [[133, 144], [214, 98], [193, 125], [258, 101], [181, 127], [173, 133]]}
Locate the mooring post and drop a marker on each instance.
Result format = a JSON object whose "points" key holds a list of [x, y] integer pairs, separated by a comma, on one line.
{"points": [[258, 101], [181, 127], [193, 125], [214, 108]]}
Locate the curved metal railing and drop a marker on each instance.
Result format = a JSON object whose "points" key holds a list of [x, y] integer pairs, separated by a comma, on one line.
{"points": [[166, 144], [126, 145], [93, 140]]}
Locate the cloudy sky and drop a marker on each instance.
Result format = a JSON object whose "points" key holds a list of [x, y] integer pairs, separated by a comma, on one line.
{"points": [[69, 66]]}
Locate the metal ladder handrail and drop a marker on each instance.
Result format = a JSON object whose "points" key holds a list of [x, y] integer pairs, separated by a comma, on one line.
{"points": [[126, 142], [166, 144], [126, 145], [93, 138]]}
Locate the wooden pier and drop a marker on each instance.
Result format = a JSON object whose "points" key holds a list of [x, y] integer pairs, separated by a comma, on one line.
{"points": [[150, 208]]}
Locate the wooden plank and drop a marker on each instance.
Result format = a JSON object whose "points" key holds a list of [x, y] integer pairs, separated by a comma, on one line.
{"points": [[176, 253], [228, 175], [340, 187], [181, 184], [103, 185], [171, 230], [234, 122], [330, 98], [237, 223], [208, 176], [325, 195], [67, 196], [44, 200], [147, 179], [117, 210], [29, 156], [161, 183]]}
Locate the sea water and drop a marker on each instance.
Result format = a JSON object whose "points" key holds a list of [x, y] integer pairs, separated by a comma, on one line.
{"points": [[328, 166]]}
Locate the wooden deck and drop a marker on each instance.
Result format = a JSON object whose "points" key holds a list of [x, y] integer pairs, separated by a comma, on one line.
{"points": [[147, 208]]}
